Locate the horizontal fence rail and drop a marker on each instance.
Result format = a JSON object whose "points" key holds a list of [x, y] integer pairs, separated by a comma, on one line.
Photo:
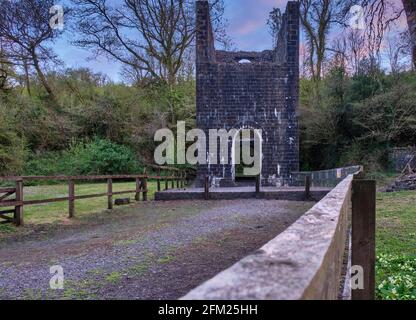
{"points": [[176, 178], [5, 193]]}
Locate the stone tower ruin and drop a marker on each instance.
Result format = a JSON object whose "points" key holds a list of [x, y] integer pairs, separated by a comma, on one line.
{"points": [[261, 93]]}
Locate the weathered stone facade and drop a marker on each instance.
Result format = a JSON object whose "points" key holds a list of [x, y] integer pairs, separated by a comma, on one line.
{"points": [[262, 94]]}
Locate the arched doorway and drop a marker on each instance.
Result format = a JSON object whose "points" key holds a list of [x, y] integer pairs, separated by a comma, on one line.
{"points": [[247, 155]]}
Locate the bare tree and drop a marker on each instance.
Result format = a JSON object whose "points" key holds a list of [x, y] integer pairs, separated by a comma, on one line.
{"points": [[380, 14], [25, 32], [5, 71], [410, 8], [275, 23], [339, 59], [317, 17], [395, 50], [356, 50], [149, 36]]}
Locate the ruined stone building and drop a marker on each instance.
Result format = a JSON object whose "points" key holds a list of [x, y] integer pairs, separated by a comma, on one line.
{"points": [[251, 90]]}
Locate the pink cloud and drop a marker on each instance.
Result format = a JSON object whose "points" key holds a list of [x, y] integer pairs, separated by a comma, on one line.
{"points": [[248, 22], [248, 27]]}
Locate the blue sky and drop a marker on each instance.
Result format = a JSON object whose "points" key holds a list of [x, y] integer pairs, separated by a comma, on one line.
{"points": [[247, 28], [247, 22]]}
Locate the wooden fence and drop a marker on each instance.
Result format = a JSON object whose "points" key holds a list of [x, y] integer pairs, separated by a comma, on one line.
{"points": [[314, 258], [175, 179]]}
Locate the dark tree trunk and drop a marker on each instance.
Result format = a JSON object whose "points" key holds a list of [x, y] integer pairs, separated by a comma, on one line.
{"points": [[42, 77], [410, 8], [27, 79]]}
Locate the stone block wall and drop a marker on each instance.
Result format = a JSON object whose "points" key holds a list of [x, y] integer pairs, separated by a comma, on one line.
{"points": [[262, 94]]}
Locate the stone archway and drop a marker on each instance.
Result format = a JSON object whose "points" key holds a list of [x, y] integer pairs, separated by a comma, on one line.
{"points": [[253, 141]]}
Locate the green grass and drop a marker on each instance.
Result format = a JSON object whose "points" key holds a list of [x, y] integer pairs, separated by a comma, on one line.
{"points": [[396, 246], [396, 223], [54, 213], [114, 277]]}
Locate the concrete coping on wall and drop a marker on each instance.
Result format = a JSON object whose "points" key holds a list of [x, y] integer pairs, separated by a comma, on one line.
{"points": [[303, 262]]}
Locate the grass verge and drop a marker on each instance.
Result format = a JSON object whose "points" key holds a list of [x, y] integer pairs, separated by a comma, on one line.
{"points": [[396, 246], [57, 213]]}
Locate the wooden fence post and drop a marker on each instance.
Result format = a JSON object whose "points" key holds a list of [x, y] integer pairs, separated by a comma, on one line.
{"points": [[363, 235], [308, 181], [177, 181], [158, 181], [71, 200], [110, 193], [138, 189], [144, 185], [207, 188], [18, 210], [258, 184]]}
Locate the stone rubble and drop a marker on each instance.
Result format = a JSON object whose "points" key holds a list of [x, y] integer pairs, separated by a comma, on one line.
{"points": [[404, 183]]}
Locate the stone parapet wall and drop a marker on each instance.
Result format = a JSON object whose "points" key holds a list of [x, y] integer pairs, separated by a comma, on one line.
{"points": [[305, 262], [324, 178]]}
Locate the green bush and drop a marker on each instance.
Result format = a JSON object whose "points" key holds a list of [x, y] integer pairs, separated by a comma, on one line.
{"points": [[99, 157], [396, 277], [356, 120], [12, 146]]}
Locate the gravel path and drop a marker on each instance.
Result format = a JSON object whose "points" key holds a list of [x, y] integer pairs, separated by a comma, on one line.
{"points": [[155, 250]]}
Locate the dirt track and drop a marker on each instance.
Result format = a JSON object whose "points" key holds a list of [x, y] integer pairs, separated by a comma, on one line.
{"points": [[148, 251]]}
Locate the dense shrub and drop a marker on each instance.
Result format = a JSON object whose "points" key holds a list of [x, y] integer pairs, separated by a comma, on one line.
{"points": [[12, 146], [89, 106], [99, 157], [344, 120], [356, 120]]}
